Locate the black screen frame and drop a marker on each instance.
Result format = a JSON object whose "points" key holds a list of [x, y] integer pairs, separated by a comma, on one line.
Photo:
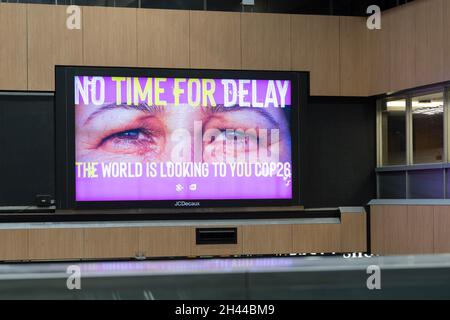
{"points": [[65, 134]]}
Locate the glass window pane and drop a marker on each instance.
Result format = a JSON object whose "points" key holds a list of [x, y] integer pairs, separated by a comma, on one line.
{"points": [[393, 119], [428, 128]]}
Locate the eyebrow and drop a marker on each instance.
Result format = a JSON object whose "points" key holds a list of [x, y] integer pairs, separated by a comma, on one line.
{"points": [[151, 109], [261, 111]]}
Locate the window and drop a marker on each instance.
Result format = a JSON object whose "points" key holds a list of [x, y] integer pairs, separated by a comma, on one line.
{"points": [[393, 126], [413, 136], [428, 128]]}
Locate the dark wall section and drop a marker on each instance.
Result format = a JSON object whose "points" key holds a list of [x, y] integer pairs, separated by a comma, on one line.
{"points": [[341, 152], [26, 149]]}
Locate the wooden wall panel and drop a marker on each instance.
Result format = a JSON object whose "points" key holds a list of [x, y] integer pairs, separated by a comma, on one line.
{"points": [[402, 47], [442, 229], [301, 44], [163, 38], [171, 241], [395, 230], [316, 238], [314, 48], [111, 242], [353, 56], [377, 229], [50, 43], [164, 241], [429, 41], [266, 239], [215, 40], [215, 249], [55, 244], [412, 49], [446, 39], [265, 40], [353, 232], [420, 228], [400, 229], [13, 48], [109, 36], [13, 245], [379, 56]]}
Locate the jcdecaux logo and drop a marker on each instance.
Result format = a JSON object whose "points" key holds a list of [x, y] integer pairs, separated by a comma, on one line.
{"points": [[187, 204]]}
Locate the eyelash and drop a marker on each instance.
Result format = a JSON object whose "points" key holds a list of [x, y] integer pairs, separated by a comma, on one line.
{"points": [[149, 135], [224, 132], [119, 135]]}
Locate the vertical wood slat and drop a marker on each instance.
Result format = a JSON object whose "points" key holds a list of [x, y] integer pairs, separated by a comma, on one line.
{"points": [[55, 243], [441, 229], [163, 38], [402, 47], [378, 54], [446, 39], [265, 41], [429, 41], [353, 232], [377, 229], [164, 241], [267, 239], [103, 243], [13, 48], [109, 36], [402, 229], [315, 48], [215, 40], [389, 230], [420, 228], [316, 238], [50, 43], [13, 245], [353, 56]]}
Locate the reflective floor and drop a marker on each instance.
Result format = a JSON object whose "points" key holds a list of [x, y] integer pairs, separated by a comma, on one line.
{"points": [[413, 277]]}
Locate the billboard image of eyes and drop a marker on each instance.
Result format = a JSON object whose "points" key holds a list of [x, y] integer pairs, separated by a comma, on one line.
{"points": [[140, 139]]}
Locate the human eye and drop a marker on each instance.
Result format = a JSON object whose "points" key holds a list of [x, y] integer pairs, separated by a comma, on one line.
{"points": [[131, 141], [235, 142]]}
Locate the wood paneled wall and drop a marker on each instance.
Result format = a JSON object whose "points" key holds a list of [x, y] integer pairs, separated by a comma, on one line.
{"points": [[402, 47], [165, 42], [13, 48], [314, 44], [215, 40], [379, 46], [109, 36], [55, 244], [73, 243], [412, 49], [353, 57], [343, 56], [37, 39], [266, 41], [446, 37], [409, 229], [429, 41], [49, 44]]}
